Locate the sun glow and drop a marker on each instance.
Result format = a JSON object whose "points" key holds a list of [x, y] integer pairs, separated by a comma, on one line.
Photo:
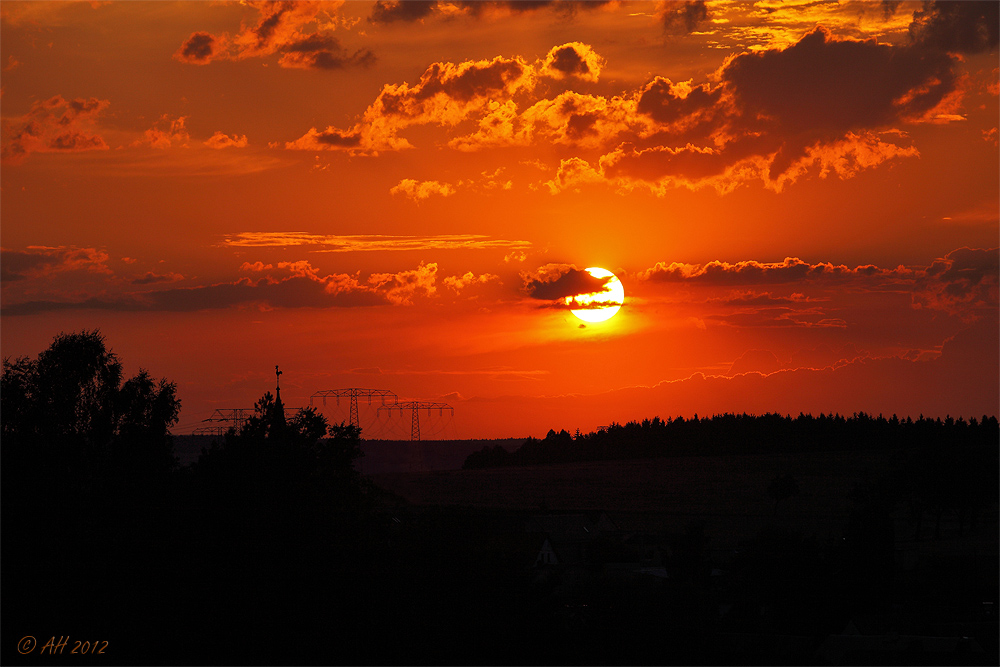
{"points": [[599, 306]]}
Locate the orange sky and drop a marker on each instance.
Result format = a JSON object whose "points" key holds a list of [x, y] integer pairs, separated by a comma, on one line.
{"points": [[800, 199]]}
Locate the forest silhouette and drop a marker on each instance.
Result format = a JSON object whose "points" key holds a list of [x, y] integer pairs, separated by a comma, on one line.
{"points": [[273, 549]]}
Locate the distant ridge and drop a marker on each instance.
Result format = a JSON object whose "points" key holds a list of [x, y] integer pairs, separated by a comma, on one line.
{"points": [[746, 434]]}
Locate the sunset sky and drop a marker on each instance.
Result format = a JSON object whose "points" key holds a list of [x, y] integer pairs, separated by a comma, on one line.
{"points": [[800, 199]]}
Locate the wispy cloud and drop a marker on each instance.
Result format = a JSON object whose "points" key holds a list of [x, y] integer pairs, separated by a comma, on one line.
{"points": [[369, 242]]}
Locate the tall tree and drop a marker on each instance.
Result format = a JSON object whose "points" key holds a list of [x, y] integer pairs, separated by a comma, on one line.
{"points": [[71, 407]]}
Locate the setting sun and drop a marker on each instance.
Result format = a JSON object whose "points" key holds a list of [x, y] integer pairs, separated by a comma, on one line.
{"points": [[599, 306]]}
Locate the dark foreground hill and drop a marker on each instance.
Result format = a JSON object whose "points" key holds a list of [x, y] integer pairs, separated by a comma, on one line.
{"points": [[380, 456]]}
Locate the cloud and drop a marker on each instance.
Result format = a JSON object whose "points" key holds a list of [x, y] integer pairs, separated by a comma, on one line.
{"points": [[573, 60], [750, 298], [571, 119], [821, 88], [964, 282], [755, 361], [965, 279], [294, 284], [369, 242], [571, 174], [166, 133], [446, 94], [957, 27], [200, 49], [459, 283], [449, 93], [408, 11], [401, 288], [817, 106], [323, 52], [52, 126], [293, 29], [329, 139], [781, 316], [304, 288], [682, 17], [681, 107], [151, 278], [256, 266], [42, 261], [421, 190], [552, 282], [822, 105], [515, 256], [220, 140], [751, 272], [297, 291]]}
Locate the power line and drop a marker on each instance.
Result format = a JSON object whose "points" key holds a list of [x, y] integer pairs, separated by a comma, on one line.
{"points": [[384, 396], [414, 407]]}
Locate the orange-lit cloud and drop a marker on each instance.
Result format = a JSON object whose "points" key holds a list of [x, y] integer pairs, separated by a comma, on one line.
{"points": [[368, 243], [391, 11], [402, 287], [446, 94], [554, 282], [420, 190], [151, 278], [750, 272], [166, 133], [574, 60], [408, 11], [963, 280], [300, 287], [221, 140], [40, 261], [459, 283], [53, 125], [957, 27], [681, 17], [297, 30], [823, 105], [200, 49], [449, 93]]}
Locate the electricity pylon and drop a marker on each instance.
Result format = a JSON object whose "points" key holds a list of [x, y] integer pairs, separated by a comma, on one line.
{"points": [[384, 395], [235, 418], [415, 407]]}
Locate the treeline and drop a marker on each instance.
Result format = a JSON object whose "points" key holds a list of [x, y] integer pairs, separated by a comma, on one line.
{"points": [[744, 434]]}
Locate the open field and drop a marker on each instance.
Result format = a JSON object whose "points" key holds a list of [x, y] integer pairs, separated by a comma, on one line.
{"points": [[728, 492], [380, 456]]}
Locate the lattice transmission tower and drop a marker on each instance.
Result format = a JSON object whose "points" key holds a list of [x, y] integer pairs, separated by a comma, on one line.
{"points": [[384, 395], [414, 407], [232, 418]]}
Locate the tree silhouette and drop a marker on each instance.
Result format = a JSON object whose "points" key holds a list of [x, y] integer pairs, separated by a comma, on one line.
{"points": [[70, 406]]}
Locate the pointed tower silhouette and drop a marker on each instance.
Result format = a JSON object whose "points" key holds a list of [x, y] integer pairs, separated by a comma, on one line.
{"points": [[278, 417]]}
